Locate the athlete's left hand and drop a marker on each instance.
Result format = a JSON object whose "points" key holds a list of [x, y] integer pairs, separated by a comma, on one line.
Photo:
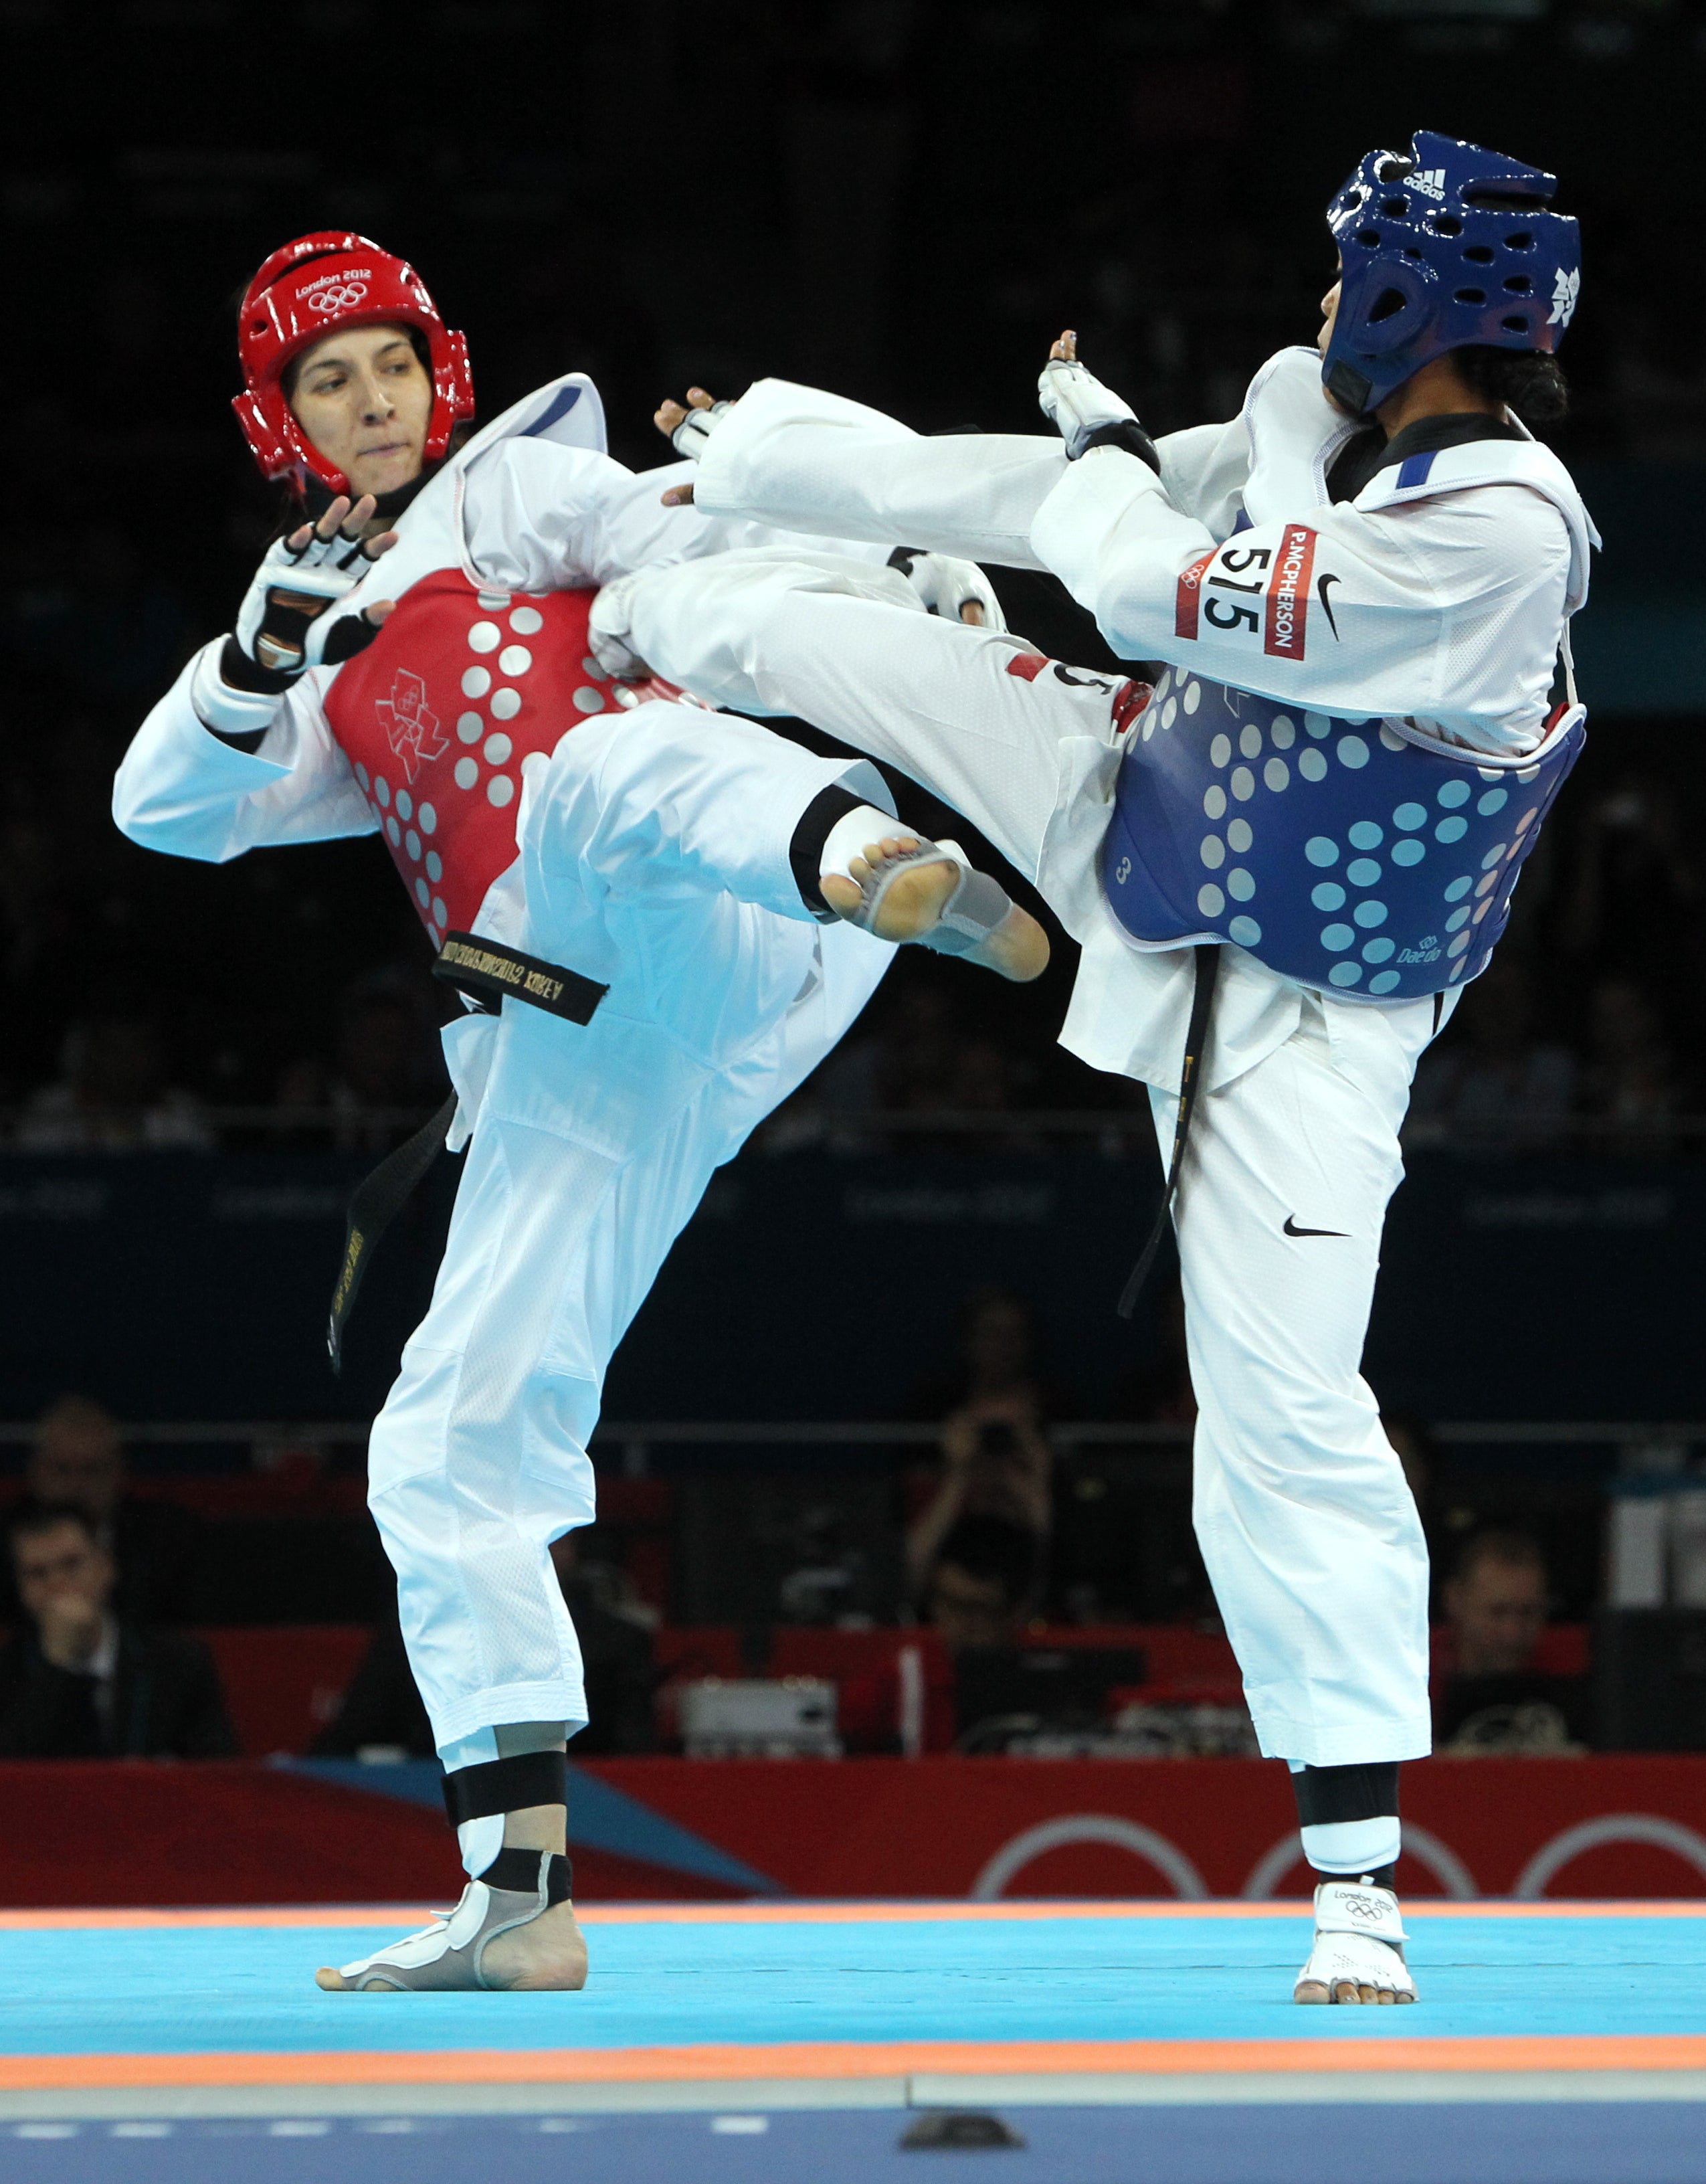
{"points": [[288, 620]]}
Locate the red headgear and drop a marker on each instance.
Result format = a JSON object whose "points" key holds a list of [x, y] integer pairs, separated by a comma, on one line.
{"points": [[319, 281]]}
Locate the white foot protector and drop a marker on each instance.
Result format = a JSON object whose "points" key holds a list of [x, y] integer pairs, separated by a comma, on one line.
{"points": [[449, 1956], [1359, 1953]]}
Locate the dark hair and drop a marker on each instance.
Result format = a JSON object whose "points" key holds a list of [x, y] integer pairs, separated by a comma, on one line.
{"points": [[32, 1518], [1515, 1549], [1525, 380], [995, 1552]]}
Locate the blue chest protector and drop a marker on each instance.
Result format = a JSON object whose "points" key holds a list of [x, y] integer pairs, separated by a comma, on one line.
{"points": [[1336, 852]]}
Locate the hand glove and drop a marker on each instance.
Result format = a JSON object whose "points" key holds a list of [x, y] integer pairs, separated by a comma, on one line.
{"points": [[946, 585], [1088, 414], [689, 437], [285, 625]]}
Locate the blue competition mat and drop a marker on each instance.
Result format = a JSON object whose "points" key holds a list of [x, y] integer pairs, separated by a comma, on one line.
{"points": [[664, 1981]]}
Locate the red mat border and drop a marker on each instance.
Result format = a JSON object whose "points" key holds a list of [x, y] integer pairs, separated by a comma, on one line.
{"points": [[826, 2059]]}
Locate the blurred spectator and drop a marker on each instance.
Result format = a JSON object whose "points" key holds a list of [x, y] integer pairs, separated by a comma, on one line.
{"points": [[1495, 1079], [78, 1461], [997, 1462], [977, 1596], [112, 1095], [981, 1584], [997, 1465], [1488, 1695], [1631, 1076], [380, 1716], [996, 1342], [78, 1683]]}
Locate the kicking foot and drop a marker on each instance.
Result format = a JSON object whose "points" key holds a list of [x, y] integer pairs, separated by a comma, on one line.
{"points": [[505, 1939], [905, 888], [1359, 1954]]}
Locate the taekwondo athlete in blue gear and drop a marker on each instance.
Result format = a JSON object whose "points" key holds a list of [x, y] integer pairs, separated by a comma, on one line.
{"points": [[1361, 587], [1448, 247]]}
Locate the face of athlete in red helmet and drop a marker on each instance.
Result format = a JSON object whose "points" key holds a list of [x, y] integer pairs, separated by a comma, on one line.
{"points": [[364, 398]]}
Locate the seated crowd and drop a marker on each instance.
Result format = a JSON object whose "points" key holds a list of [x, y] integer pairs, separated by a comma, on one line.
{"points": [[98, 1580]]}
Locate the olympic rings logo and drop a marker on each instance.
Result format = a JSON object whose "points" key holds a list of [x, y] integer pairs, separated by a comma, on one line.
{"points": [[343, 297]]}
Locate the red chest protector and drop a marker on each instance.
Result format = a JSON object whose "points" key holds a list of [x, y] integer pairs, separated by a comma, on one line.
{"points": [[460, 691]]}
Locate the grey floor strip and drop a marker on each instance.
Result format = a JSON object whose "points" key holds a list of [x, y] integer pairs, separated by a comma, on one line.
{"points": [[1083, 2089], [677, 2096]]}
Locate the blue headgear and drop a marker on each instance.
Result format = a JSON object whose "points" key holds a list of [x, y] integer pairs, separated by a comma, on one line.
{"points": [[1439, 248]]}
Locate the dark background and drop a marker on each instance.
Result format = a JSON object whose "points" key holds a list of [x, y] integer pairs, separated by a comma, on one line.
{"points": [[906, 199]]}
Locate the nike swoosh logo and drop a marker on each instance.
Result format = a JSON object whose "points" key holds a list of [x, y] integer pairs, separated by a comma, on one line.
{"points": [[1321, 584], [1292, 1229]]}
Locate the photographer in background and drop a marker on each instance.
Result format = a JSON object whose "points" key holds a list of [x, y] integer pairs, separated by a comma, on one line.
{"points": [[996, 1457], [997, 1464], [77, 1683]]}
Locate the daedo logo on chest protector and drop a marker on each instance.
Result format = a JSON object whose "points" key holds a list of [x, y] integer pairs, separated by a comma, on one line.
{"points": [[461, 695]]}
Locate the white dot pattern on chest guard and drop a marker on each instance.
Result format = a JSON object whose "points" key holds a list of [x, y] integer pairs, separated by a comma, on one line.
{"points": [[1396, 930], [447, 694]]}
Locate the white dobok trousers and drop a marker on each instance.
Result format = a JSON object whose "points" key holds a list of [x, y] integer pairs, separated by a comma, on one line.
{"points": [[1306, 1522], [654, 856]]}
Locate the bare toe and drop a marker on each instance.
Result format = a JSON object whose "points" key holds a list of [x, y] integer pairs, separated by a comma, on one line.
{"points": [[842, 896], [330, 1981], [1310, 1991]]}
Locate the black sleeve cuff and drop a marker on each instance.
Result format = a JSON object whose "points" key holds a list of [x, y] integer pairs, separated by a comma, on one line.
{"points": [[238, 671], [1129, 435]]}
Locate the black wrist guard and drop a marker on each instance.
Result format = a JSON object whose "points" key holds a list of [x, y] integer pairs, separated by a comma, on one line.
{"points": [[1129, 434], [238, 671]]}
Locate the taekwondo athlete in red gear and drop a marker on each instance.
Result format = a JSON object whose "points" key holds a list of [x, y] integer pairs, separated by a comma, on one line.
{"points": [[1362, 588], [531, 799]]}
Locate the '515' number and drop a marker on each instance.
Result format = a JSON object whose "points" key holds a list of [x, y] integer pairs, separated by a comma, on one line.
{"points": [[1225, 614]]}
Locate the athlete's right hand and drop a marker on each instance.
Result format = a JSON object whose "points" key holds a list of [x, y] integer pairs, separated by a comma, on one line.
{"points": [[687, 426], [288, 622], [1075, 401]]}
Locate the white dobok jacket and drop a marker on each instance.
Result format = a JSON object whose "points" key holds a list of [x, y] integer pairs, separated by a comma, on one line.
{"points": [[1441, 600]]}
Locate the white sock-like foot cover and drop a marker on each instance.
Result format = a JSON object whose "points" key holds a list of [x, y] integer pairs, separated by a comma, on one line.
{"points": [[1359, 1942], [449, 1956]]}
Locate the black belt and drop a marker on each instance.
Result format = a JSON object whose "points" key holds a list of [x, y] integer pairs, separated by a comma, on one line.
{"points": [[487, 972], [1189, 1084]]}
